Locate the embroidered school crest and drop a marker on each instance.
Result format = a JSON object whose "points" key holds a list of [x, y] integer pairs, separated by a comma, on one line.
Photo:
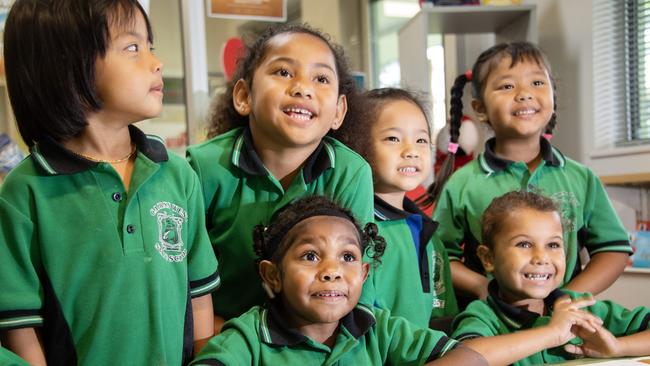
{"points": [[438, 281], [170, 218], [568, 206]]}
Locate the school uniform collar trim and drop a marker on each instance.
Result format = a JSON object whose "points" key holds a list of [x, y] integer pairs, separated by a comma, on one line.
{"points": [[385, 211], [515, 317], [275, 330], [246, 158], [55, 159], [491, 163]]}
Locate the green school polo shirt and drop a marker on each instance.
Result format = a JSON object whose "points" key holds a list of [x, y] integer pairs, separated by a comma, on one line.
{"points": [[491, 317], [261, 336], [410, 283], [8, 358], [588, 217], [107, 275], [240, 193]]}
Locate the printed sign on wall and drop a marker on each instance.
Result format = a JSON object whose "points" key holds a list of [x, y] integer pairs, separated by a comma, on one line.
{"points": [[269, 10]]}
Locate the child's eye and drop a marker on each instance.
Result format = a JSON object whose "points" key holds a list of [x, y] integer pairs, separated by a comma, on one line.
{"points": [[283, 72], [538, 83], [524, 244], [555, 245], [506, 87], [422, 141], [309, 256], [391, 139], [132, 48], [349, 257], [323, 79]]}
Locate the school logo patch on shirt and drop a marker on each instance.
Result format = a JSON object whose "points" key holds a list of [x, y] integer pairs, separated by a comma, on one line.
{"points": [[568, 204], [438, 281], [170, 219]]}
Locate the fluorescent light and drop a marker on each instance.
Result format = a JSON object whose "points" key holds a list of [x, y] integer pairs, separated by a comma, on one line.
{"points": [[399, 9]]}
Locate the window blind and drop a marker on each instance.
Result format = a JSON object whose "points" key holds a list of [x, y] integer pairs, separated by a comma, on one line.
{"points": [[621, 56]]}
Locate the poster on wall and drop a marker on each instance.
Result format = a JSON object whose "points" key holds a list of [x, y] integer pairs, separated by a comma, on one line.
{"points": [[268, 10]]}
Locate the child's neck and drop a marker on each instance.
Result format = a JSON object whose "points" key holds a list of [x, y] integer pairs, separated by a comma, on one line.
{"points": [[324, 333], [528, 151], [533, 305], [395, 199]]}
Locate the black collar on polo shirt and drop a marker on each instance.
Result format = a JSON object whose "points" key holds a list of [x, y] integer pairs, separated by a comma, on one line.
{"points": [[55, 159], [385, 211], [247, 159], [513, 316], [357, 322], [490, 162]]}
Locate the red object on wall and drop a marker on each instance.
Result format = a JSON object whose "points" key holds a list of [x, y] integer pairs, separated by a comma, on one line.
{"points": [[231, 51]]}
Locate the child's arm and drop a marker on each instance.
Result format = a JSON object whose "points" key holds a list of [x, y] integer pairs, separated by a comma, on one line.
{"points": [[603, 344], [600, 273], [509, 348], [203, 321], [468, 281], [460, 355], [26, 343]]}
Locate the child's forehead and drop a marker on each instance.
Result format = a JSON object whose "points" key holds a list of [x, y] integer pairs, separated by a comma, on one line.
{"points": [[125, 21], [284, 44], [323, 227]]}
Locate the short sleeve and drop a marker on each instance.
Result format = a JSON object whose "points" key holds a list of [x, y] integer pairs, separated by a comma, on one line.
{"points": [[406, 343], [22, 293], [202, 263], [619, 320], [474, 322], [235, 345], [451, 229], [605, 232]]}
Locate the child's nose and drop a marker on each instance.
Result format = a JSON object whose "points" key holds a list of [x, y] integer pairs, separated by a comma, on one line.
{"points": [[540, 257], [524, 95], [330, 271], [410, 152], [300, 89], [157, 65]]}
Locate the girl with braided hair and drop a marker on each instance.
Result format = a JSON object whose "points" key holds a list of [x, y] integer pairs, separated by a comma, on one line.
{"points": [[310, 260], [514, 93]]}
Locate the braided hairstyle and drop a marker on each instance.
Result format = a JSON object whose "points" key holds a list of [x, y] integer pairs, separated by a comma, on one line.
{"points": [[269, 241], [224, 117], [486, 62]]}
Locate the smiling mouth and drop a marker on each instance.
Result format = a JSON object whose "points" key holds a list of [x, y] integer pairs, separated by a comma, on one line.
{"points": [[525, 112], [408, 170], [538, 276], [299, 113], [330, 294]]}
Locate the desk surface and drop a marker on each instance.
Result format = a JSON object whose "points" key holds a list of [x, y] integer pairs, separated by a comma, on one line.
{"points": [[634, 361]]}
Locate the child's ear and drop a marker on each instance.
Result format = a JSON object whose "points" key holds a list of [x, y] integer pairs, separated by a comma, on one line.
{"points": [[366, 268], [341, 110], [480, 110], [241, 97], [487, 257], [270, 276]]}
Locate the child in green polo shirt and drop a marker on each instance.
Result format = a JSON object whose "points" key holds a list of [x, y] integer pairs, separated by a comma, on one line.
{"points": [[105, 258], [310, 259], [523, 248], [414, 279], [291, 88], [514, 93]]}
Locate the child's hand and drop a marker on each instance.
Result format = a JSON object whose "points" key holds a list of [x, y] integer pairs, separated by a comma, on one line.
{"points": [[568, 319], [599, 344]]}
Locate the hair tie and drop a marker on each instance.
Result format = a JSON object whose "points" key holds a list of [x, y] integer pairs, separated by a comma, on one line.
{"points": [[468, 75], [547, 136], [452, 147]]}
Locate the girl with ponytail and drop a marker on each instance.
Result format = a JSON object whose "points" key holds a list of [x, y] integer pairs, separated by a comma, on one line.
{"points": [[514, 93]]}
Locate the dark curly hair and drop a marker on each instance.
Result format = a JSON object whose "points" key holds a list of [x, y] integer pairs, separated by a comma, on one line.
{"points": [[224, 117], [357, 136], [495, 214], [486, 62], [269, 242]]}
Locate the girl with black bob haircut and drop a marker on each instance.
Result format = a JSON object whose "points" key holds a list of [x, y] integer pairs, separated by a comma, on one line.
{"points": [[310, 259], [514, 93], [102, 244]]}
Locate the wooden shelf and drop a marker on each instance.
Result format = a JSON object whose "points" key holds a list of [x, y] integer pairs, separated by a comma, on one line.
{"points": [[477, 19], [638, 179]]}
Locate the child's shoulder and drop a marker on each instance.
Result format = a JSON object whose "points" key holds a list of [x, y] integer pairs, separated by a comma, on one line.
{"points": [[223, 143], [343, 153], [22, 176]]}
